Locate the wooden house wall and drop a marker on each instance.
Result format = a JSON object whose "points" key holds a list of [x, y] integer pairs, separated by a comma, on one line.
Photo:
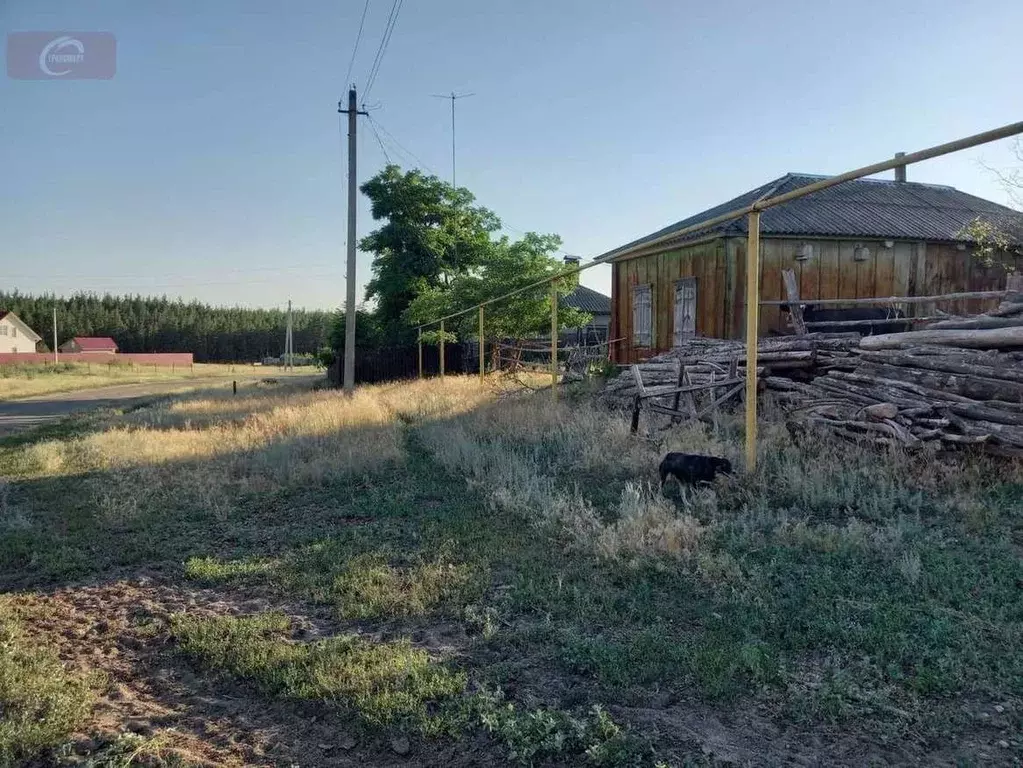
{"points": [[705, 261], [905, 269]]}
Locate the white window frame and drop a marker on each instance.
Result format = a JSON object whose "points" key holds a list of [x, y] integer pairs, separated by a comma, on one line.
{"points": [[643, 315]]}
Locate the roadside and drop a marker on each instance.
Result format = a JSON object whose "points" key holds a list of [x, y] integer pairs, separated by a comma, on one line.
{"points": [[23, 381], [25, 413]]}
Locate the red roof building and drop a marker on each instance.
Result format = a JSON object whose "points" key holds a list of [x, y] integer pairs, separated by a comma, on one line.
{"points": [[90, 344]]}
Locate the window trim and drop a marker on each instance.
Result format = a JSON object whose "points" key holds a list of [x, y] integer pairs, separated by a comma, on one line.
{"points": [[677, 286], [637, 341]]}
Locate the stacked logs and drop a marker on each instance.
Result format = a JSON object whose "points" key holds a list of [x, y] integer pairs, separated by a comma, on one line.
{"points": [[957, 382], [916, 394], [701, 359]]}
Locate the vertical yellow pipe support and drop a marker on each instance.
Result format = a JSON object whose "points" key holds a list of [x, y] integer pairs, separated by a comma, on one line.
{"points": [[752, 332], [482, 372], [442, 349], [554, 340], [420, 351]]}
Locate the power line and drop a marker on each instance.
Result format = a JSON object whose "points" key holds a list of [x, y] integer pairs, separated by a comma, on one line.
{"points": [[374, 122], [381, 143], [355, 49], [399, 145], [392, 20], [122, 276], [198, 282]]}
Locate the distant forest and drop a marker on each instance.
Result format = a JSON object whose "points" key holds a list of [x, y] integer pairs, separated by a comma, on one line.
{"points": [[150, 324]]}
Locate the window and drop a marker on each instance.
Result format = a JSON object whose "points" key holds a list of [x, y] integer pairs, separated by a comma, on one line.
{"points": [[685, 310], [14, 331], [642, 316], [3, 330]]}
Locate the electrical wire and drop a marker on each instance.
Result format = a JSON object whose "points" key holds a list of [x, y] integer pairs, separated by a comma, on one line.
{"points": [[362, 23], [128, 276], [392, 20], [399, 145], [383, 149]]}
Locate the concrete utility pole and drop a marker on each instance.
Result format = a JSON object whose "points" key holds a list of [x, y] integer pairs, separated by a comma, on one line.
{"points": [[54, 335], [454, 97], [349, 372], [289, 344]]}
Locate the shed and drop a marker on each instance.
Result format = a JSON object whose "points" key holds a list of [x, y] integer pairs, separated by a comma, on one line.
{"points": [[597, 306], [866, 238], [90, 344]]}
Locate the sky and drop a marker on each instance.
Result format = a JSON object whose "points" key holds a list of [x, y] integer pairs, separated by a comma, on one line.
{"points": [[212, 165]]}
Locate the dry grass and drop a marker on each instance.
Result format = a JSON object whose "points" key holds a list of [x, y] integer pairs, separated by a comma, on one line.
{"points": [[29, 380], [213, 448], [526, 545], [531, 456]]}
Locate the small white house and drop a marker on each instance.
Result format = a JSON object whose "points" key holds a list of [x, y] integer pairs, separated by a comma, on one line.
{"points": [[15, 336]]}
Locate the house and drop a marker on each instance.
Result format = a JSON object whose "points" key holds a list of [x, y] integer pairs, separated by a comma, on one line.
{"points": [[15, 336], [102, 345], [866, 238], [595, 304]]}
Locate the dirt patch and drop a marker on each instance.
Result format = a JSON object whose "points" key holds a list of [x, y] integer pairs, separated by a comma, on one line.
{"points": [[120, 628]]}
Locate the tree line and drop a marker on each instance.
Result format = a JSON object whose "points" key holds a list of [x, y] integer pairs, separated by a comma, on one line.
{"points": [[435, 252], [159, 324]]}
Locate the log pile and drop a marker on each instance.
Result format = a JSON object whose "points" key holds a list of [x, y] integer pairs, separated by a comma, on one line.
{"points": [[957, 382], [701, 360]]}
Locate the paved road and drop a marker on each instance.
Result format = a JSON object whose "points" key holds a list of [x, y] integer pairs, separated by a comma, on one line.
{"points": [[16, 415]]}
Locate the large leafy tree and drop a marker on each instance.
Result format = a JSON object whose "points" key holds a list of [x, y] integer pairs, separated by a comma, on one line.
{"points": [[432, 233], [508, 266]]}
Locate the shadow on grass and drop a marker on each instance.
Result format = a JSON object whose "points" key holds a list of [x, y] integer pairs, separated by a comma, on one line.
{"points": [[837, 598]]}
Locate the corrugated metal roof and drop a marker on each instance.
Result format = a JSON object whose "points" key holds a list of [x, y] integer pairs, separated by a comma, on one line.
{"points": [[588, 300], [861, 208]]}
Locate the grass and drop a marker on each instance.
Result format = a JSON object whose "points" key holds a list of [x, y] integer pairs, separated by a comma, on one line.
{"points": [[32, 379], [500, 567], [383, 683], [41, 702]]}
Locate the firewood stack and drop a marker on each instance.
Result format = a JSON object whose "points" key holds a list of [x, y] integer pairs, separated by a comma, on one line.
{"points": [[957, 382], [960, 381], [701, 359]]}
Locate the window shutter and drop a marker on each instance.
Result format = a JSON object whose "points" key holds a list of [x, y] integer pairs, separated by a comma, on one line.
{"points": [[642, 316], [685, 310]]}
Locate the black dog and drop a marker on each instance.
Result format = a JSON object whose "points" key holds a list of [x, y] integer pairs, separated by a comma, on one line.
{"points": [[693, 468]]}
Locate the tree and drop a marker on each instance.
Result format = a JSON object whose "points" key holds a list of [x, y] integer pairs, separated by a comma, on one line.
{"points": [[999, 239], [432, 233], [507, 267], [150, 324]]}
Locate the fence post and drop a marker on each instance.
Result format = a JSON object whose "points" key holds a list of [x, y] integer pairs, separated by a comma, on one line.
{"points": [[442, 349], [554, 340], [752, 331], [420, 340], [482, 373]]}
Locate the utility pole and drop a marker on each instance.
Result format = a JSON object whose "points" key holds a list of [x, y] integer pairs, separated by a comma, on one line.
{"points": [[349, 371], [289, 344], [454, 97], [55, 335]]}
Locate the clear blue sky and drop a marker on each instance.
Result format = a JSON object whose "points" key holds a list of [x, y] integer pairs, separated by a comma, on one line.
{"points": [[211, 165]]}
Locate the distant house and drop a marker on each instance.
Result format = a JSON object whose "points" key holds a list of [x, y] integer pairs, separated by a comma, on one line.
{"points": [[595, 304], [101, 345], [15, 336]]}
